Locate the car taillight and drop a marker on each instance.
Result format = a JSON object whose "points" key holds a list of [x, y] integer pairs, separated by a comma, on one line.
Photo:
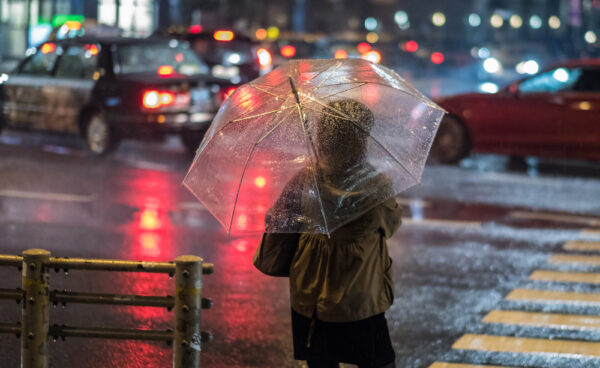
{"points": [[165, 70], [264, 58], [153, 99]]}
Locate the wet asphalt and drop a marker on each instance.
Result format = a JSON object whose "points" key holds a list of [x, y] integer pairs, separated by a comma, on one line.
{"points": [[472, 234]]}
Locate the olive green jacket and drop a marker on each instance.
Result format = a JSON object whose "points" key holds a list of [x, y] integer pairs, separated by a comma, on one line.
{"points": [[347, 277]]}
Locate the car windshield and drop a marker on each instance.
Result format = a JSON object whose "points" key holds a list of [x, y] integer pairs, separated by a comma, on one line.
{"points": [[148, 58], [235, 52]]}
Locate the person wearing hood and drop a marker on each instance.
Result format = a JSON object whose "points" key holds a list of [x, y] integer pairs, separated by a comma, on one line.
{"points": [[340, 283]]}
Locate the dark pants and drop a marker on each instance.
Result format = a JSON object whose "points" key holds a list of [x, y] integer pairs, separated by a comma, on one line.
{"points": [[365, 343]]}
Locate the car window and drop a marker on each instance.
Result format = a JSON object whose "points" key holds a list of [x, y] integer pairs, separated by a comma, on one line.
{"points": [[79, 61], [560, 79], [589, 81], [148, 58], [42, 62]]}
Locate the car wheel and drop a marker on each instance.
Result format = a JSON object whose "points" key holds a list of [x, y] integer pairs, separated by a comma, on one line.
{"points": [[100, 137], [451, 143], [192, 138]]}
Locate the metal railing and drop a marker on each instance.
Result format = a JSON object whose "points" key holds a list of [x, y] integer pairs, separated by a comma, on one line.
{"points": [[35, 329]]}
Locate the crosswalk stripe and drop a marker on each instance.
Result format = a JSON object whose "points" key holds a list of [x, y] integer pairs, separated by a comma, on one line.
{"points": [[64, 197], [582, 245], [590, 233], [573, 219], [551, 296], [563, 276], [570, 321], [460, 365], [574, 258], [527, 345]]}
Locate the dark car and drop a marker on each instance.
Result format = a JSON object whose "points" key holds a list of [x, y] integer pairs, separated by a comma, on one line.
{"points": [[555, 113], [229, 54], [105, 89]]}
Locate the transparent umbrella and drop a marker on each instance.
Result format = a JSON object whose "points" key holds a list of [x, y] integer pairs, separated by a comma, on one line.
{"points": [[312, 146]]}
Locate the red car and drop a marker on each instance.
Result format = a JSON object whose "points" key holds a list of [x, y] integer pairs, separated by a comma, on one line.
{"points": [[555, 113]]}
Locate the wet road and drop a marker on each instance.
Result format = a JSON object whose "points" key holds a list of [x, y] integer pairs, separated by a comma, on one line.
{"points": [[497, 263]]}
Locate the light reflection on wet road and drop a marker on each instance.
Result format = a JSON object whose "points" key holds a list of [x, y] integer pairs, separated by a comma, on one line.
{"points": [[464, 247]]}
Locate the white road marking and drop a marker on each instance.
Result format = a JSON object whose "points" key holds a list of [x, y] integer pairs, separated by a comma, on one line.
{"points": [[573, 219], [62, 197], [439, 222]]}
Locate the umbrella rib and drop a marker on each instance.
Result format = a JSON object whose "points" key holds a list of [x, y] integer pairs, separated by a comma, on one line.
{"points": [[337, 66], [246, 166], [259, 115], [360, 84], [385, 149], [262, 90], [313, 167]]}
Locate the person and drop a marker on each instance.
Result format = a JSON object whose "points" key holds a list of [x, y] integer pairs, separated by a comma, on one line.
{"points": [[341, 283]]}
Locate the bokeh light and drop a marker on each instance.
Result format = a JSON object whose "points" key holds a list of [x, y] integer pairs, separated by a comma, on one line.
{"points": [[496, 21], [474, 20], [535, 22], [340, 54], [371, 24], [401, 17], [261, 34], [372, 37], [438, 19], [554, 22], [516, 21], [591, 37]]}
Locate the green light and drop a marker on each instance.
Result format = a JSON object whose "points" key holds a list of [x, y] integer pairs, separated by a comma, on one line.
{"points": [[60, 19]]}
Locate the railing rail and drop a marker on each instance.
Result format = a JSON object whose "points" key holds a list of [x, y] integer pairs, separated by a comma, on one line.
{"points": [[35, 329]]}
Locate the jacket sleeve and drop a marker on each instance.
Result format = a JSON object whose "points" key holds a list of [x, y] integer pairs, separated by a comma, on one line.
{"points": [[391, 217]]}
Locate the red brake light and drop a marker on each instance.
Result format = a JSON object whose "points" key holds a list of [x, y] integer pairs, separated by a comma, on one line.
{"points": [[411, 46], [154, 99], [165, 70], [48, 48], [223, 36], [196, 28], [437, 58], [288, 51], [363, 47], [264, 58]]}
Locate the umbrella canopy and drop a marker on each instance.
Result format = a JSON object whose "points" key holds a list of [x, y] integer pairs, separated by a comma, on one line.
{"points": [[317, 143]]}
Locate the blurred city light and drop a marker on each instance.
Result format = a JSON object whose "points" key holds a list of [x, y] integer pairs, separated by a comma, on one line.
{"points": [[372, 56], [488, 87], [516, 21], [535, 22], [234, 58], [363, 47], [264, 58], [371, 24], [411, 46], [437, 58], [401, 17], [372, 37], [561, 75], [288, 51], [590, 37], [438, 19], [474, 20], [273, 32], [554, 22], [48, 48], [531, 67], [195, 28], [223, 35], [483, 53], [261, 34], [496, 21], [340, 54], [492, 65]]}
